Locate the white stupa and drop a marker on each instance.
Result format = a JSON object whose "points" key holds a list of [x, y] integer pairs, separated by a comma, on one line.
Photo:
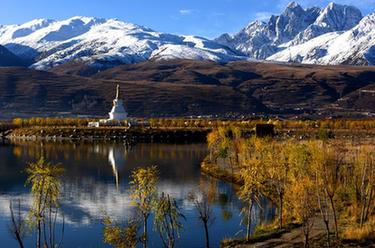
{"points": [[118, 112]]}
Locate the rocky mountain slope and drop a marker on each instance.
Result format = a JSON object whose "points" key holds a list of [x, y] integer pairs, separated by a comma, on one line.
{"points": [[355, 46], [261, 39], [186, 87], [334, 35], [9, 59]]}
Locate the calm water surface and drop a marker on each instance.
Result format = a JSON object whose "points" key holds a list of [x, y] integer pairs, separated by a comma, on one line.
{"points": [[96, 184]]}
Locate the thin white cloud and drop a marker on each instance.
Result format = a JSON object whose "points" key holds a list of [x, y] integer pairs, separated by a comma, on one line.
{"points": [[186, 12]]}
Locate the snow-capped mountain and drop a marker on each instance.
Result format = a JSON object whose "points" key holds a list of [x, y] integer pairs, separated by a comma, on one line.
{"points": [[336, 34], [355, 46], [333, 35], [331, 19], [101, 41], [260, 39]]}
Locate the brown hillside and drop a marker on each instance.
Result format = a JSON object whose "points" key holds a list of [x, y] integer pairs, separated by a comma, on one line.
{"points": [[183, 87], [31, 92]]}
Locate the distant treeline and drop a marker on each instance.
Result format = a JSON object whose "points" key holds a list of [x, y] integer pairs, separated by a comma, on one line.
{"points": [[202, 123]]}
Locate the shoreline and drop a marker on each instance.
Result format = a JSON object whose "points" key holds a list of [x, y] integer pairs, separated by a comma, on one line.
{"points": [[108, 133], [213, 170]]}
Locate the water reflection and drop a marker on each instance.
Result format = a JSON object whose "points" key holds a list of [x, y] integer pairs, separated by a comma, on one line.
{"points": [[96, 184], [117, 157]]}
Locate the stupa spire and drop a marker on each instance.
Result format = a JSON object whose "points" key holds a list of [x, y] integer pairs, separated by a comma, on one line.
{"points": [[117, 91], [118, 112]]}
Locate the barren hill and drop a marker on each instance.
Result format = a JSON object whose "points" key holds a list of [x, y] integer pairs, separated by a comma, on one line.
{"points": [[185, 87]]}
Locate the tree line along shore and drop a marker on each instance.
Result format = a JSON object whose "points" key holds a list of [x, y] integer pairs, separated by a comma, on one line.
{"points": [[177, 129], [320, 179]]}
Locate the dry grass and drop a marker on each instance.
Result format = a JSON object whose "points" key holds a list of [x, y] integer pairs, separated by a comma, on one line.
{"points": [[356, 233]]}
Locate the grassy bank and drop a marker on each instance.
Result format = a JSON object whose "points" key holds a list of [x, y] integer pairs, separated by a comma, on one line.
{"points": [[217, 172]]}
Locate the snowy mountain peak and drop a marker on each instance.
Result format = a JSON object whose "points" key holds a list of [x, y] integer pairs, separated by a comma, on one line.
{"points": [[292, 8], [294, 26], [311, 35], [292, 5], [333, 18], [86, 19], [103, 42], [37, 23], [339, 17]]}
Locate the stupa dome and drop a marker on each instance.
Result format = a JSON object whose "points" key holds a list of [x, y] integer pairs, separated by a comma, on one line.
{"points": [[118, 112]]}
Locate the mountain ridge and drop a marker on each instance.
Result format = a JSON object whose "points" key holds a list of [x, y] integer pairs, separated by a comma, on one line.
{"points": [[106, 43], [7, 58], [50, 43]]}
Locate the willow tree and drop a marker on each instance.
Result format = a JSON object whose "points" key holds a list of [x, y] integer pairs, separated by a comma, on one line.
{"points": [[120, 236], [302, 201], [167, 220], [329, 162], [143, 193], [205, 212], [250, 194], [226, 143], [277, 172], [317, 167], [44, 179], [253, 176], [364, 182]]}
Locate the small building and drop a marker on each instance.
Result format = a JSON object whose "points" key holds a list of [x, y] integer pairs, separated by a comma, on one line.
{"points": [[118, 112], [264, 130], [118, 115]]}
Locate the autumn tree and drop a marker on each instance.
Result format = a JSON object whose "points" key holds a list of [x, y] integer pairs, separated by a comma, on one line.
{"points": [[303, 204], [364, 182], [120, 236], [143, 193], [167, 220], [44, 179], [276, 167], [253, 156], [250, 193], [330, 162]]}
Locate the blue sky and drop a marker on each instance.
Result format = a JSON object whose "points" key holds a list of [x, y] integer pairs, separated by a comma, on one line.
{"points": [[208, 18]]}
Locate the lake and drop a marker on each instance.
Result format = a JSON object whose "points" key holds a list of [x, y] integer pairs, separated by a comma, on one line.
{"points": [[96, 184]]}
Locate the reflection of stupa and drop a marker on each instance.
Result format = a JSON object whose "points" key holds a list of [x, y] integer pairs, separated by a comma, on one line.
{"points": [[116, 158], [118, 112]]}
